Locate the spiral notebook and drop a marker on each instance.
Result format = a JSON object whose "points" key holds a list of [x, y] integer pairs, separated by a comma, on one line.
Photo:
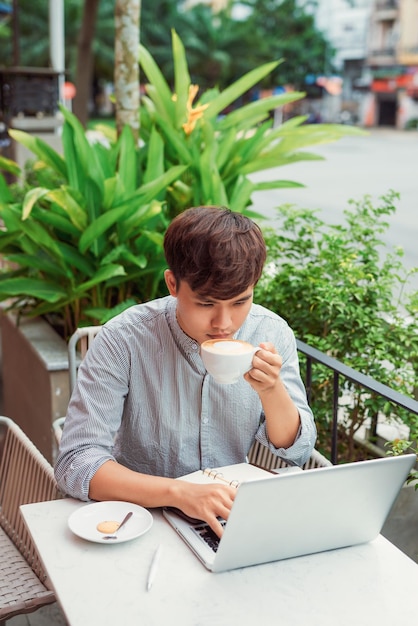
{"points": [[295, 513]]}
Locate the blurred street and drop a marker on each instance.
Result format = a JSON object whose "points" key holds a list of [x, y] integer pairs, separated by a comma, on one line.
{"points": [[385, 159]]}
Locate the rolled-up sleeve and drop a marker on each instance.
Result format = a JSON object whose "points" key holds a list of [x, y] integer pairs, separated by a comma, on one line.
{"points": [[301, 449]]}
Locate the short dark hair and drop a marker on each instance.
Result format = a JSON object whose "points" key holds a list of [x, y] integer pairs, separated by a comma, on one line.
{"points": [[216, 251]]}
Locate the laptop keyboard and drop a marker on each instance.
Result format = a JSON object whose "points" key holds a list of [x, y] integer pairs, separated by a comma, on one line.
{"points": [[206, 533]]}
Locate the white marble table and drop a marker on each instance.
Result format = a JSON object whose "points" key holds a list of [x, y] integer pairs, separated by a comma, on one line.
{"points": [[105, 584]]}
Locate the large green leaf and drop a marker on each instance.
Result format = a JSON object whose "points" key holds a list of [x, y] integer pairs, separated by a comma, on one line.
{"points": [[137, 220], [155, 157], [124, 255], [40, 237], [75, 166], [275, 160], [64, 197], [53, 218], [150, 190], [10, 166], [213, 190], [30, 199], [32, 287], [226, 143], [241, 196], [181, 79], [127, 167], [258, 108], [251, 145], [82, 156], [103, 274], [5, 195], [160, 94], [242, 85], [73, 258], [113, 192], [276, 184], [314, 134], [175, 143], [41, 149], [44, 263], [99, 226]]}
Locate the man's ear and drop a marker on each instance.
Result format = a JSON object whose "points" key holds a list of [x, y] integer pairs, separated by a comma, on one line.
{"points": [[171, 282]]}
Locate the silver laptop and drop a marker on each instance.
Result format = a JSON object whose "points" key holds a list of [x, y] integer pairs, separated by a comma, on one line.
{"points": [[300, 513]]}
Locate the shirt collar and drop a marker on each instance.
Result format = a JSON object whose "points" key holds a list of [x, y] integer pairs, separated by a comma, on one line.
{"points": [[184, 342]]}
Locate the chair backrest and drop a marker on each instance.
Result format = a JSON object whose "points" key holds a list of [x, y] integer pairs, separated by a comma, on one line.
{"points": [[78, 344], [25, 477], [262, 456]]}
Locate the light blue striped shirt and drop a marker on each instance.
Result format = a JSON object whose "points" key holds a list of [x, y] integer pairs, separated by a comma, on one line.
{"points": [[144, 398]]}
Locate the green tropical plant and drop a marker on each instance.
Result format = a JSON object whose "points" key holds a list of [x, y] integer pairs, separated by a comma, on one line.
{"points": [[221, 149], [84, 233], [86, 236], [342, 298]]}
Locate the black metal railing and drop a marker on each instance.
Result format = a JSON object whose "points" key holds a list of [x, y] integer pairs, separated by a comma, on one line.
{"points": [[341, 371]]}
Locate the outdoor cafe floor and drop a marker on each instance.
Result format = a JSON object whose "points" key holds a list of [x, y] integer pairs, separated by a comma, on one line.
{"points": [[50, 615]]}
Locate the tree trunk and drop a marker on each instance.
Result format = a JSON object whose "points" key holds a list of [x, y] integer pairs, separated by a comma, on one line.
{"points": [[84, 71], [127, 15]]}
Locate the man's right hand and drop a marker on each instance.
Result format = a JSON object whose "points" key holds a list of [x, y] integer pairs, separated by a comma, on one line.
{"points": [[206, 502]]}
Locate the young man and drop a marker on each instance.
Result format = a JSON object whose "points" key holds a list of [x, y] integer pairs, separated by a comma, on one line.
{"points": [[145, 411]]}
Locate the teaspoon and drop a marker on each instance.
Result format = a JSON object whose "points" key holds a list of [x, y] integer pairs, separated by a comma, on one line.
{"points": [[125, 519]]}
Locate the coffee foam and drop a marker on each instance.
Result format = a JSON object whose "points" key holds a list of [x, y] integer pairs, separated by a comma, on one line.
{"points": [[228, 347]]}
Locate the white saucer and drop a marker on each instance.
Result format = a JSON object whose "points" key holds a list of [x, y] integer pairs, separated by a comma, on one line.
{"points": [[83, 522]]}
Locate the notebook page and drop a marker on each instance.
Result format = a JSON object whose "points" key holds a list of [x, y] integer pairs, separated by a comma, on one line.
{"points": [[234, 474]]}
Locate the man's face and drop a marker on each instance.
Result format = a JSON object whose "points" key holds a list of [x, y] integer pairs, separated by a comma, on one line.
{"points": [[203, 317]]}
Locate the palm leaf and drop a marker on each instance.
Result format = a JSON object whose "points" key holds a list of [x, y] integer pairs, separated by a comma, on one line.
{"points": [[276, 184], [103, 274], [30, 199], [41, 149], [255, 109], [9, 166], [31, 287], [181, 79], [175, 142], [160, 92], [155, 157], [234, 91], [66, 200], [127, 168]]}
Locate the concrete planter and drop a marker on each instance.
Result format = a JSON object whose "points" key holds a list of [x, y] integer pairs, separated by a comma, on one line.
{"points": [[35, 378]]}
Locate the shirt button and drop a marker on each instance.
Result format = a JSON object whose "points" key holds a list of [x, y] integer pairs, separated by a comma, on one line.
{"points": [[205, 420]]}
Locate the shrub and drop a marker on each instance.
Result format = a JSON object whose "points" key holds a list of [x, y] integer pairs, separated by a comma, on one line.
{"points": [[342, 298]]}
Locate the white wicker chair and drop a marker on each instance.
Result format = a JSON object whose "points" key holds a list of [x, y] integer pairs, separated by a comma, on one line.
{"points": [[260, 455], [78, 344]]}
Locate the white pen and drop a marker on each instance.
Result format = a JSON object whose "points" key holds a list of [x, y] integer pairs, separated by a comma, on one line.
{"points": [[153, 568]]}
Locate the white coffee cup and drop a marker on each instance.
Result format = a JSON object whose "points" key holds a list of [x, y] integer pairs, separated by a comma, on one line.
{"points": [[227, 359]]}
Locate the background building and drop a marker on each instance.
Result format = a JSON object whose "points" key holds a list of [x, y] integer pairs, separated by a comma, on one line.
{"points": [[345, 25], [393, 63], [372, 79]]}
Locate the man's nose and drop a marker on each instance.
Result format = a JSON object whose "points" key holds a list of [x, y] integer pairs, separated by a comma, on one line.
{"points": [[222, 319]]}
